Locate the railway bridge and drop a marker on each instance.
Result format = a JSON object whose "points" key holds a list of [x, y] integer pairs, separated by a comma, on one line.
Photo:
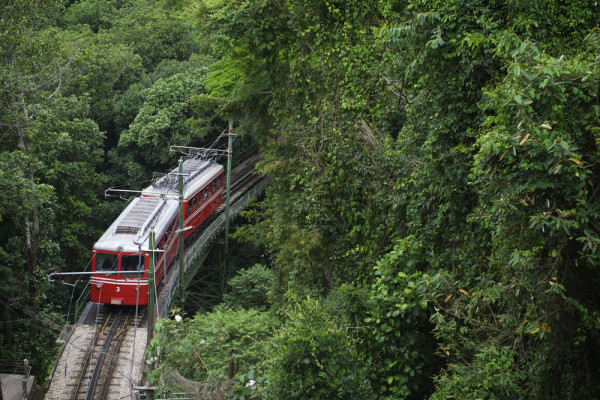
{"points": [[102, 354]]}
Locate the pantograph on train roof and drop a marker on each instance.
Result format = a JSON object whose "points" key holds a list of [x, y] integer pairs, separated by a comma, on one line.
{"points": [[192, 169]]}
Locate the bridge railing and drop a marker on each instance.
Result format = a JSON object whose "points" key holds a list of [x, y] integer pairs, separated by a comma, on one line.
{"points": [[219, 223], [209, 234], [171, 295], [81, 302]]}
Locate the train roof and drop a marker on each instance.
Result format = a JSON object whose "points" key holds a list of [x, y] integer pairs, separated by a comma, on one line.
{"points": [[132, 228], [197, 173]]}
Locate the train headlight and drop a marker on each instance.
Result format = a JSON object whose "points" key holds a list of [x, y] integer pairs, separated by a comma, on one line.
{"points": [[98, 285]]}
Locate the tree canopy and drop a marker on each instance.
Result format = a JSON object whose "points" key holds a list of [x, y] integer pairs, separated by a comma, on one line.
{"points": [[431, 225]]}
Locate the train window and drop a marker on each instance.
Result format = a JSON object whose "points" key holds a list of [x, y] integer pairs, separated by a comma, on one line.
{"points": [[106, 262], [199, 195], [205, 194], [132, 265]]}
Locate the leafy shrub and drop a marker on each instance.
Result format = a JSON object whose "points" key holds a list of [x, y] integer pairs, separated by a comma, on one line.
{"points": [[312, 358], [349, 303], [399, 317], [198, 348], [492, 376], [250, 288]]}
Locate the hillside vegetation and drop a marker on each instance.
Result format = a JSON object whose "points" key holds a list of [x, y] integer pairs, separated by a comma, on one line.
{"points": [[431, 229]]}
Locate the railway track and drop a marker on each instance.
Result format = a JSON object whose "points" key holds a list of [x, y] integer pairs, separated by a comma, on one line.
{"points": [[105, 353]]}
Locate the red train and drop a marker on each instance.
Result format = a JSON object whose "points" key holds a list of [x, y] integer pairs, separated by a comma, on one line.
{"points": [[120, 256]]}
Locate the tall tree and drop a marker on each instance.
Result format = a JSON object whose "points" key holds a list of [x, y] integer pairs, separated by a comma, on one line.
{"points": [[49, 179]]}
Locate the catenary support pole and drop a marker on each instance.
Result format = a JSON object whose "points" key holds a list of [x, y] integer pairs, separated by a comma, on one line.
{"points": [[228, 189], [181, 244], [151, 288]]}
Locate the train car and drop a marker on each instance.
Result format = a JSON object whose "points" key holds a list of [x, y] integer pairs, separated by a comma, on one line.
{"points": [[121, 256], [203, 190]]}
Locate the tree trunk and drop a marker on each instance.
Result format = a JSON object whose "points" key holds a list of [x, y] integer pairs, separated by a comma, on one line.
{"points": [[30, 221], [8, 325]]}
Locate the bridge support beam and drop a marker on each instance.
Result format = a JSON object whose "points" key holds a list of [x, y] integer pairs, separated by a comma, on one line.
{"points": [[194, 267]]}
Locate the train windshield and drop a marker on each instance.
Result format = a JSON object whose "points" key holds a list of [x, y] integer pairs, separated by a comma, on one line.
{"points": [[106, 262], [133, 265]]}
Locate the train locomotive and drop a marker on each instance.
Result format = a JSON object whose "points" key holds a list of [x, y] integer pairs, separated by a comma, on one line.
{"points": [[120, 258]]}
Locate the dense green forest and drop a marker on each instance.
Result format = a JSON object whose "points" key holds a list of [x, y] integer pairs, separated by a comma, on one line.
{"points": [[431, 229]]}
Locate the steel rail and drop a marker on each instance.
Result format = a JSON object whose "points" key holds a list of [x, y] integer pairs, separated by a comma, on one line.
{"points": [[86, 363], [119, 337], [100, 361], [89, 354]]}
